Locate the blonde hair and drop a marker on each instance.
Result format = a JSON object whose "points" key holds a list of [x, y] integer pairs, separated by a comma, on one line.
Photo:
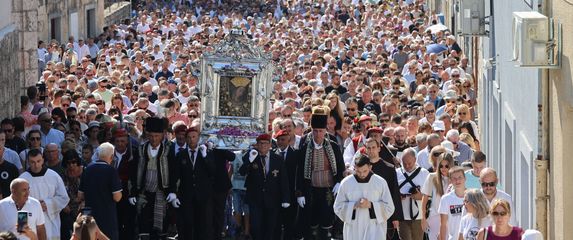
{"points": [[476, 198], [501, 202], [468, 139]]}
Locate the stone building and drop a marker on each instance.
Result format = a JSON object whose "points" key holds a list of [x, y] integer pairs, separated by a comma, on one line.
{"points": [[58, 19]]}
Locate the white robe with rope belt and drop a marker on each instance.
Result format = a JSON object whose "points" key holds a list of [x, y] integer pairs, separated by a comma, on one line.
{"points": [[362, 226], [51, 189]]}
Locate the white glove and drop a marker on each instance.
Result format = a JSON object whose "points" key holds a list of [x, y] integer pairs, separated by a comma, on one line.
{"points": [[301, 201], [132, 200], [252, 155], [203, 150], [176, 203], [171, 197], [210, 145], [285, 205], [335, 188]]}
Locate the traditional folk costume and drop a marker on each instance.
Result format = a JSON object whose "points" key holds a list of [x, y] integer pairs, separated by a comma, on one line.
{"points": [[364, 223], [321, 169], [152, 184]]}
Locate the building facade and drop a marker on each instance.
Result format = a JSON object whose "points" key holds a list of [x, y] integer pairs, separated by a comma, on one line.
{"points": [[59, 19]]}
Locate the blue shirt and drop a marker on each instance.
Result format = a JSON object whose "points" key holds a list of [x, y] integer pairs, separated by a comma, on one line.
{"points": [[12, 157], [238, 180], [54, 136], [465, 152]]}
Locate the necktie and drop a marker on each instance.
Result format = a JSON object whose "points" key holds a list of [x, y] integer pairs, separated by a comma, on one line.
{"points": [[180, 149], [264, 161], [284, 154], [193, 157]]}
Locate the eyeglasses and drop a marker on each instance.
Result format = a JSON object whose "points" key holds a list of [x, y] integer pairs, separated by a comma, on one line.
{"points": [[34, 139], [462, 113], [488, 184], [351, 109], [499, 214], [430, 111], [444, 166], [437, 154], [287, 115]]}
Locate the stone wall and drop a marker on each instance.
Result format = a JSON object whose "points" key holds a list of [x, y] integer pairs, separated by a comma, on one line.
{"points": [[117, 12], [10, 74]]}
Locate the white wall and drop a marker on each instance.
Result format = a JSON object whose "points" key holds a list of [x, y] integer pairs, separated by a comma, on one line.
{"points": [[509, 117], [5, 13]]}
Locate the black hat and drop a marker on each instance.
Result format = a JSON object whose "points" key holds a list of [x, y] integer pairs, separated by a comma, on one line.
{"points": [[156, 124], [319, 117]]}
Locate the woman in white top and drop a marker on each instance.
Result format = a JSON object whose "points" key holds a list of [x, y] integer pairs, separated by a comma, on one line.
{"points": [[434, 188], [477, 210]]}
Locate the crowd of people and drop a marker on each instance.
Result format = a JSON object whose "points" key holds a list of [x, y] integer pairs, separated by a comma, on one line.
{"points": [[372, 131]]}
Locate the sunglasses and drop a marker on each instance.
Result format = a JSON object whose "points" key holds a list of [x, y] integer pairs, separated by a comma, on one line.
{"points": [[35, 139], [192, 116], [430, 111], [455, 75], [499, 214], [462, 113], [445, 166], [488, 184], [351, 109], [437, 154]]}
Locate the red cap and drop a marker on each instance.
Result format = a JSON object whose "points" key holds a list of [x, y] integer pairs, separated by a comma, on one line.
{"points": [[375, 130], [180, 128], [281, 133], [120, 132], [364, 118], [192, 129], [264, 137]]}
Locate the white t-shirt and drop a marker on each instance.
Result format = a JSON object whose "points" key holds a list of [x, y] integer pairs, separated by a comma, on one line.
{"points": [[469, 226], [9, 215], [452, 205], [423, 159], [429, 189]]}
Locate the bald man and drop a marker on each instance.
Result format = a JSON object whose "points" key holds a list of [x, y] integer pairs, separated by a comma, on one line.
{"points": [[19, 200]]}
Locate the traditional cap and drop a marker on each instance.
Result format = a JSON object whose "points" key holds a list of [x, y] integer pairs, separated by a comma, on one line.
{"points": [[319, 117], [119, 132], [281, 133], [364, 118], [264, 137], [375, 130], [155, 124], [190, 129], [180, 128]]}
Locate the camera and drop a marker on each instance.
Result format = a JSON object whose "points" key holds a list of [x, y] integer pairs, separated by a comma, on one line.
{"points": [[414, 190], [41, 90]]}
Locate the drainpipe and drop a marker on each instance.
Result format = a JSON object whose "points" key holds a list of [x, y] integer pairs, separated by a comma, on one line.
{"points": [[542, 160]]}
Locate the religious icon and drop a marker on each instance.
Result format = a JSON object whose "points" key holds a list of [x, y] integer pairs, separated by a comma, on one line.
{"points": [[235, 98]]}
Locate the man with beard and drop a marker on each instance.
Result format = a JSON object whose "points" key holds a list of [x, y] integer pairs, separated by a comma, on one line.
{"points": [[320, 171], [48, 187], [152, 181], [364, 203], [125, 161], [400, 139]]}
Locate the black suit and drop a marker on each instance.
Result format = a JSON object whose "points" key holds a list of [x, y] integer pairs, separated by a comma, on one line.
{"points": [[288, 215], [221, 187], [126, 169], [195, 192], [265, 193]]}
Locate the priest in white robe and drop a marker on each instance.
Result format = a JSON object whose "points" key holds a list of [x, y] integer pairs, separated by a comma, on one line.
{"points": [[364, 203], [46, 186]]}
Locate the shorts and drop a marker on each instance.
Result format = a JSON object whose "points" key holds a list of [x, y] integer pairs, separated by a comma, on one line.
{"points": [[239, 204]]}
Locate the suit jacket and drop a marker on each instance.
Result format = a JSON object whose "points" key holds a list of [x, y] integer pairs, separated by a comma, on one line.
{"points": [[220, 157], [303, 185], [270, 189], [139, 177], [291, 164], [193, 181], [127, 170]]}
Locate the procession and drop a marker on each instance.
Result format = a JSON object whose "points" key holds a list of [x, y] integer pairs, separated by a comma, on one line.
{"points": [[263, 120]]}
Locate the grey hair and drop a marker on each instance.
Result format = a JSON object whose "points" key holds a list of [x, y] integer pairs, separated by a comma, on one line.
{"points": [[17, 182], [452, 133], [421, 137], [409, 151], [105, 150]]}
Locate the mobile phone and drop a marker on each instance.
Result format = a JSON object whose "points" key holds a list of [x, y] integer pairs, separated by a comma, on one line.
{"points": [[87, 211], [22, 220]]}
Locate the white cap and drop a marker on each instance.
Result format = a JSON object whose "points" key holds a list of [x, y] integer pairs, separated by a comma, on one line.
{"points": [[449, 146], [439, 125]]}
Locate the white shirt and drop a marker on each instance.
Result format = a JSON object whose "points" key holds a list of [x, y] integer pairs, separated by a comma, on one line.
{"points": [[418, 181], [423, 159], [469, 226], [119, 156], [452, 205], [153, 151], [9, 215]]}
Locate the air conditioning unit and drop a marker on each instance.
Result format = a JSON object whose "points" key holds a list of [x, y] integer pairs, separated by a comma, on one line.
{"points": [[471, 18], [530, 39]]}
